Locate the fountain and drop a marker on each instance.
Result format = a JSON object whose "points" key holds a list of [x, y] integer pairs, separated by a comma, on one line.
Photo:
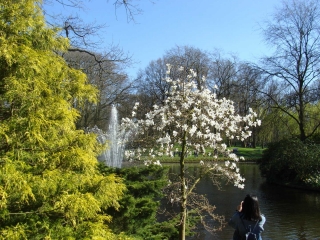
{"points": [[115, 139]]}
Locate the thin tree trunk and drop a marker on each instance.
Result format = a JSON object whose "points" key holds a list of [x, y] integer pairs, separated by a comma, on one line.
{"points": [[183, 206], [301, 111]]}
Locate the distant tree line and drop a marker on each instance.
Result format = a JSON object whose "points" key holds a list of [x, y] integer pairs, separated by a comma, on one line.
{"points": [[285, 108], [282, 88]]}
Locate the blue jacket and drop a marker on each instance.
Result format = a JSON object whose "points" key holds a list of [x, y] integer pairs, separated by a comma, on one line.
{"points": [[236, 223]]}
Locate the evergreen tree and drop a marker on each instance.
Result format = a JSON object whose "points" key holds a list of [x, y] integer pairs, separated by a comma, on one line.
{"points": [[50, 186], [139, 211]]}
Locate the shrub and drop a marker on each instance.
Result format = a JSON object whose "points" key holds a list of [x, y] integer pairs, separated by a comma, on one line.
{"points": [[138, 208], [292, 161]]}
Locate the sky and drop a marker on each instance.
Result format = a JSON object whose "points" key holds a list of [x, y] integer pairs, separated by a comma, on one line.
{"points": [[229, 26]]}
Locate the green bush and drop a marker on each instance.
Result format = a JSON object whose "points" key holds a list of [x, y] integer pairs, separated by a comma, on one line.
{"points": [[137, 214], [292, 161]]}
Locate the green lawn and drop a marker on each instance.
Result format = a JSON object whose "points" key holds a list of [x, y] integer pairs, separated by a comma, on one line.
{"points": [[250, 153]]}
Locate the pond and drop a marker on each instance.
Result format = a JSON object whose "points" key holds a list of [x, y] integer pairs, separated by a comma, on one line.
{"points": [[290, 213]]}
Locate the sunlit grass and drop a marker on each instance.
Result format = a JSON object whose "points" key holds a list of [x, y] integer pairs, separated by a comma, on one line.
{"points": [[250, 153]]}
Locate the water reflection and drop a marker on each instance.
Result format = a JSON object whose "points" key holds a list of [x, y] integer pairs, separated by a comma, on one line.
{"points": [[290, 213]]}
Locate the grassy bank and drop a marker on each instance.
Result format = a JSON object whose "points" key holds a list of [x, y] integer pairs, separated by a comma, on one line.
{"points": [[251, 154]]}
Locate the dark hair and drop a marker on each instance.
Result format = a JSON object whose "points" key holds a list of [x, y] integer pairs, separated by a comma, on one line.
{"points": [[250, 208]]}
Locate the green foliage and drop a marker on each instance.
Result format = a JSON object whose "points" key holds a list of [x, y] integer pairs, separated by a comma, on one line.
{"points": [[50, 187], [166, 230], [292, 161], [137, 214]]}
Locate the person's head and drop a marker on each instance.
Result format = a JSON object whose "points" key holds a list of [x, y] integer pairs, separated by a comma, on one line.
{"points": [[250, 208]]}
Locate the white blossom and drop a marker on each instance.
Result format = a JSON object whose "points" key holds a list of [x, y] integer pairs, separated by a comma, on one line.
{"points": [[192, 130], [168, 68], [200, 118], [136, 106], [199, 134]]}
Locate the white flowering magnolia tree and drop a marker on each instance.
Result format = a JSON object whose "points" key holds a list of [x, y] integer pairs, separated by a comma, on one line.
{"points": [[193, 121]]}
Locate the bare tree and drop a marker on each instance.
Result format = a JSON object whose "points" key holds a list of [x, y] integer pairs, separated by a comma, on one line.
{"points": [[131, 7], [223, 76], [86, 37], [247, 95], [182, 60], [154, 83], [104, 66], [186, 58], [107, 76], [294, 32]]}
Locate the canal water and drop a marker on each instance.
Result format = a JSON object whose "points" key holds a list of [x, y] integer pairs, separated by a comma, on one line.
{"points": [[290, 213]]}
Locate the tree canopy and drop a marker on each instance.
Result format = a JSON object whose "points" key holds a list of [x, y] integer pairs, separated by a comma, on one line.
{"points": [[293, 68], [50, 187]]}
